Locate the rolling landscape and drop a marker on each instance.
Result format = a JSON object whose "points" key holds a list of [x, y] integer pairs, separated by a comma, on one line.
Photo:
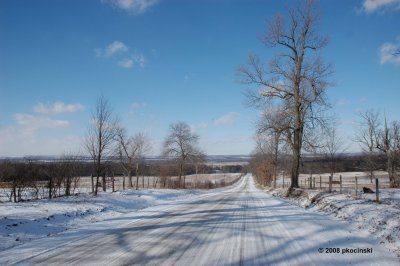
{"points": [[168, 132]]}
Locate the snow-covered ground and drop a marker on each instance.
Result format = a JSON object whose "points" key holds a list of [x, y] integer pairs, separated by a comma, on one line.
{"points": [[235, 225], [24, 221], [382, 221], [238, 225]]}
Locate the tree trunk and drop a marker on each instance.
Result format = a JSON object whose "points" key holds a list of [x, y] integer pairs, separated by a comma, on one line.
{"points": [[92, 179], [96, 185], [390, 170], [104, 182], [14, 191], [113, 180], [68, 182], [295, 170], [180, 173], [50, 185], [130, 177], [137, 176]]}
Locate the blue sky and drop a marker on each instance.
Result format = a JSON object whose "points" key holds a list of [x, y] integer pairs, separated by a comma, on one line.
{"points": [[164, 61]]}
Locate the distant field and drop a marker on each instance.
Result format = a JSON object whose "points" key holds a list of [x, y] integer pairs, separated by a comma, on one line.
{"points": [[192, 181], [201, 181]]}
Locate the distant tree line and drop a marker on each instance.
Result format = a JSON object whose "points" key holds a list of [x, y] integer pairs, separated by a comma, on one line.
{"points": [[37, 179]]}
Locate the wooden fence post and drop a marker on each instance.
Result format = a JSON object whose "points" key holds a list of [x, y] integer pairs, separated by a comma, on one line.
{"points": [[356, 187], [320, 182], [340, 183], [314, 181], [330, 184], [377, 189]]}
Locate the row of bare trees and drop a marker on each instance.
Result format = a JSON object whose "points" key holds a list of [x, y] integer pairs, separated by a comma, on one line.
{"points": [[106, 138], [22, 180], [377, 135], [378, 138]]}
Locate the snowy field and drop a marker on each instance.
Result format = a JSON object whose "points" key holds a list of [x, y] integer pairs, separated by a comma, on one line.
{"points": [[382, 221], [24, 221]]}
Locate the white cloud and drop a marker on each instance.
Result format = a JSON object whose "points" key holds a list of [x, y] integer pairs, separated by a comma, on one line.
{"points": [[112, 49], [132, 6], [139, 59], [380, 5], [32, 123], [387, 53], [126, 63], [227, 119], [57, 108], [135, 59], [16, 142]]}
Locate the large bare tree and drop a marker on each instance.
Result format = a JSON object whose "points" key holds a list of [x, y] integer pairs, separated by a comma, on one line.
{"points": [[295, 79], [181, 144], [100, 138]]}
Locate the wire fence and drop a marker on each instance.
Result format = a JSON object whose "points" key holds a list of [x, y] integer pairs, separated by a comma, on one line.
{"points": [[40, 189], [350, 183]]}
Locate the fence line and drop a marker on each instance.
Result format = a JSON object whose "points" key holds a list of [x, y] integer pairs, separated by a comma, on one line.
{"points": [[338, 183]]}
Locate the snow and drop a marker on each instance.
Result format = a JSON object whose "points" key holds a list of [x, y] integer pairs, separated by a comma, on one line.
{"points": [[381, 221], [236, 225], [24, 221]]}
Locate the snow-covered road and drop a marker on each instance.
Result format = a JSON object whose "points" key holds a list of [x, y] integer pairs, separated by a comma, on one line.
{"points": [[240, 225]]}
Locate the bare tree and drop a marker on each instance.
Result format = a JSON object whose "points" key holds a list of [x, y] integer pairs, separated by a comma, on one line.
{"points": [[389, 143], [272, 125], [296, 78], [261, 158], [100, 138], [68, 168], [374, 138], [181, 144], [333, 146], [197, 160], [367, 137], [131, 151], [142, 144]]}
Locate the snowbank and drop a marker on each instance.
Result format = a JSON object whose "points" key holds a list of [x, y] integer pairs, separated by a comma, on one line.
{"points": [[380, 220]]}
